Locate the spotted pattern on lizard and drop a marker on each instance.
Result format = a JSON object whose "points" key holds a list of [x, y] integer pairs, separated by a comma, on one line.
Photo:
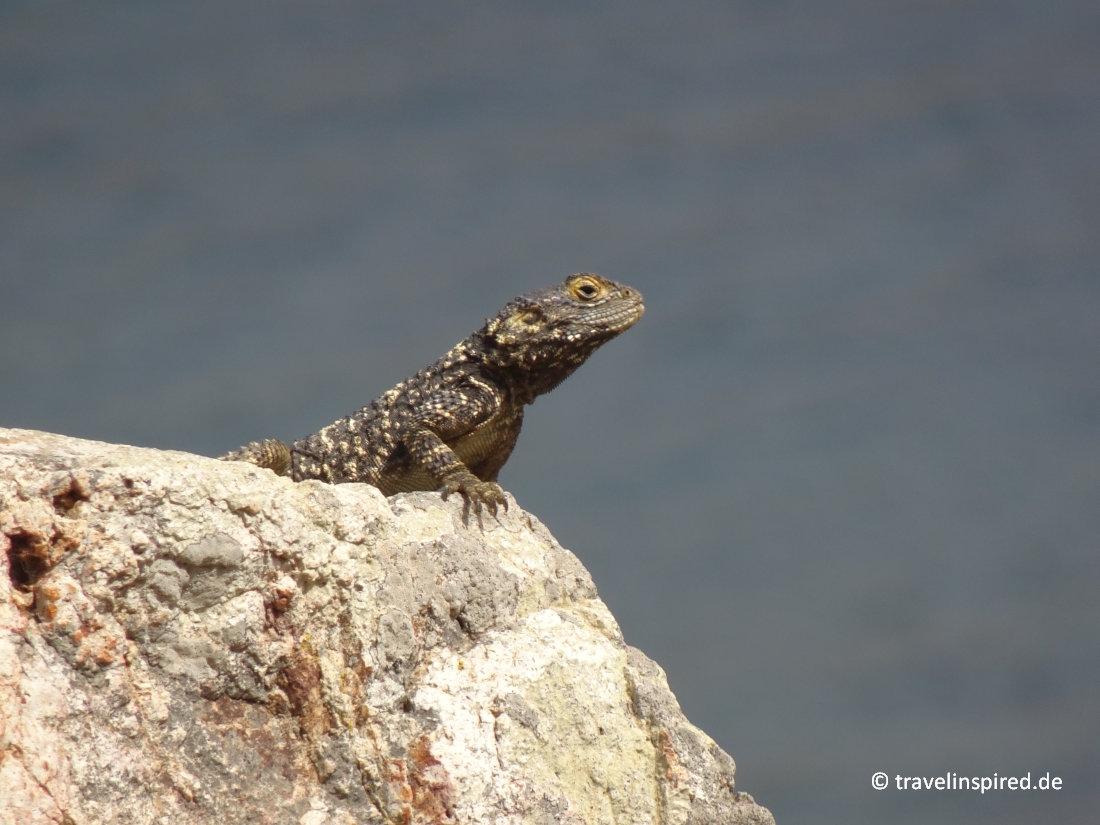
{"points": [[453, 424]]}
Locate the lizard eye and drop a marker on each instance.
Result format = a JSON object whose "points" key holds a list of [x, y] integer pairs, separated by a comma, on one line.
{"points": [[586, 289]]}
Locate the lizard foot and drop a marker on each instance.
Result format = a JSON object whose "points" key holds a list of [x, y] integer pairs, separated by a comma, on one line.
{"points": [[477, 494]]}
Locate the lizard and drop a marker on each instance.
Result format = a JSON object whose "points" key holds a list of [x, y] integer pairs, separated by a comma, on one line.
{"points": [[452, 425]]}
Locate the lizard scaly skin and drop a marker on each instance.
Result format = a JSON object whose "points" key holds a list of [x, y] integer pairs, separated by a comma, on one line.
{"points": [[452, 425]]}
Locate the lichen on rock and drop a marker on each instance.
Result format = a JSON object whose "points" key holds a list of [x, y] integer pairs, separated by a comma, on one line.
{"points": [[187, 640]]}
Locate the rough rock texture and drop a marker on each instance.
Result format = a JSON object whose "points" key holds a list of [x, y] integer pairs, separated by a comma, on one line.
{"points": [[187, 640]]}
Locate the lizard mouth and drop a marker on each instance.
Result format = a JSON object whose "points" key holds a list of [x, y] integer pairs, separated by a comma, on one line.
{"points": [[633, 315], [619, 317]]}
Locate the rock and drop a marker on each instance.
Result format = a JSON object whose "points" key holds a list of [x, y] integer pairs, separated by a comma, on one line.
{"points": [[188, 640]]}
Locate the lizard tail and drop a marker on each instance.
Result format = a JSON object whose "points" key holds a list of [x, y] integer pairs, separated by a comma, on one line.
{"points": [[271, 453]]}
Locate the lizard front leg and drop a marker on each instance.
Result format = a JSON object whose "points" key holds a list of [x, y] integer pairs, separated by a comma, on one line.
{"points": [[452, 418]]}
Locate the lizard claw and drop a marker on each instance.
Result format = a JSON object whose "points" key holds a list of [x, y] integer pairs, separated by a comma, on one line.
{"points": [[477, 494]]}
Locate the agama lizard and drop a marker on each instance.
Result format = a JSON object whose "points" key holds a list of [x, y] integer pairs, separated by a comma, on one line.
{"points": [[452, 426]]}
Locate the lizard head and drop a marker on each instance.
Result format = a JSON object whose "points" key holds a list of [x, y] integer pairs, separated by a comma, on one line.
{"points": [[557, 328]]}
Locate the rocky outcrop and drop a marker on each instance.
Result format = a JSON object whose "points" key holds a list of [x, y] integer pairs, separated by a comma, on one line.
{"points": [[187, 640]]}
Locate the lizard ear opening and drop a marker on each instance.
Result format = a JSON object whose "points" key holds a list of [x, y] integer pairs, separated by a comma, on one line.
{"points": [[530, 317], [518, 326]]}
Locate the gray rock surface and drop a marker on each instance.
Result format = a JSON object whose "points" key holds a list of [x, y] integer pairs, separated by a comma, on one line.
{"points": [[187, 640]]}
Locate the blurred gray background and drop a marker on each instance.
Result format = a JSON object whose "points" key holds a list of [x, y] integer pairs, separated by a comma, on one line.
{"points": [[843, 480]]}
